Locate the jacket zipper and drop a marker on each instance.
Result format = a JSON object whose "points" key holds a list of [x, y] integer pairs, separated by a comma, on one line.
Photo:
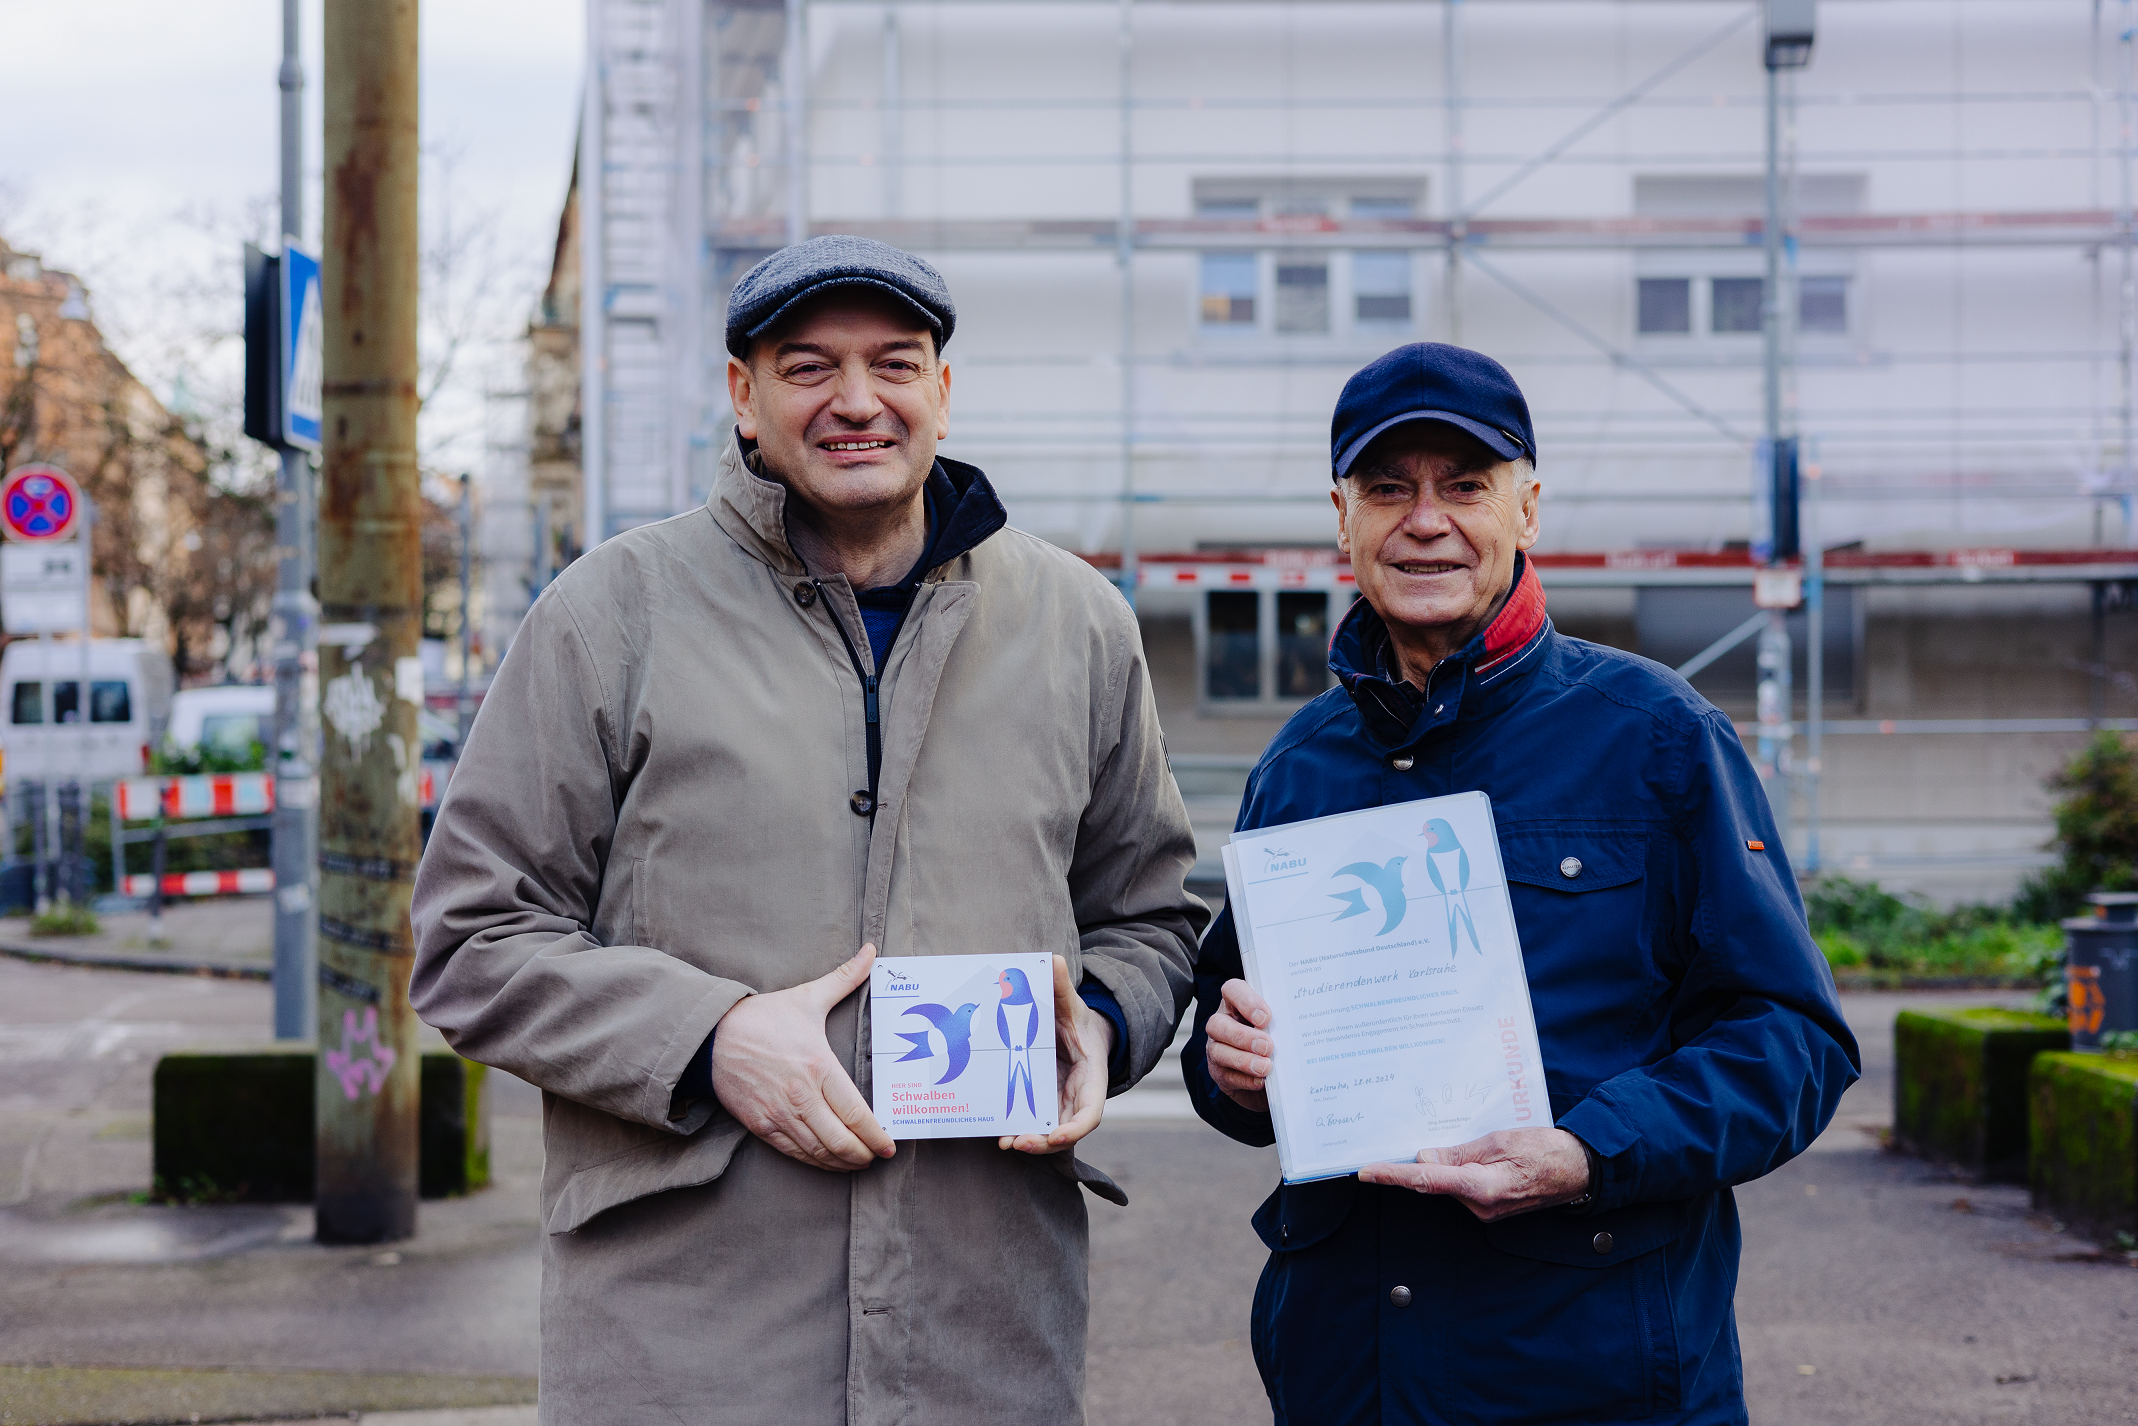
{"points": [[869, 709]]}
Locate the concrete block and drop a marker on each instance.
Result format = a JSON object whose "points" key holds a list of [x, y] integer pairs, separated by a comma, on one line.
{"points": [[455, 1155], [235, 1125], [1960, 1084], [2082, 1161]]}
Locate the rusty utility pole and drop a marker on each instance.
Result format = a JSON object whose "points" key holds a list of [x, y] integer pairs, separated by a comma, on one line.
{"points": [[371, 601]]}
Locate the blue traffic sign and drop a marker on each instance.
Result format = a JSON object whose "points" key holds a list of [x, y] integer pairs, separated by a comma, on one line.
{"points": [[303, 341]]}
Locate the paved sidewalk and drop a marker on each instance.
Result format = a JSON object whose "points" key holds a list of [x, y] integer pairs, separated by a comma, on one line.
{"points": [[1858, 1263], [217, 935]]}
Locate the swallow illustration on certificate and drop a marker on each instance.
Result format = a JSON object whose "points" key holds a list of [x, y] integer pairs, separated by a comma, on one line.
{"points": [[962, 1047], [1384, 941]]}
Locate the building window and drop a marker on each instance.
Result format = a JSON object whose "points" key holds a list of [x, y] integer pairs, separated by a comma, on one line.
{"points": [[1666, 304], [1384, 209], [1228, 289], [1380, 286], [1232, 657], [1822, 304], [1264, 650], [1302, 643], [1302, 294], [1735, 304]]}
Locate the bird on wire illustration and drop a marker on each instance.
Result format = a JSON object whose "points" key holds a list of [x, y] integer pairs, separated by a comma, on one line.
{"points": [[955, 1026], [1017, 1021], [1387, 882], [1446, 861]]}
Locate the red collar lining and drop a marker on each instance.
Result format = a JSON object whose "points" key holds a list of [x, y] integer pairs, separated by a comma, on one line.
{"points": [[1517, 622]]}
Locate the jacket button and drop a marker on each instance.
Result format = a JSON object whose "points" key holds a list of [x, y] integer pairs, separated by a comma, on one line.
{"points": [[862, 803], [805, 593], [1601, 1242], [1403, 763], [1399, 1296], [1570, 868]]}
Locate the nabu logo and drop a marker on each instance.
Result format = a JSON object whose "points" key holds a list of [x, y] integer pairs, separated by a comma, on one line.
{"points": [[1276, 861]]}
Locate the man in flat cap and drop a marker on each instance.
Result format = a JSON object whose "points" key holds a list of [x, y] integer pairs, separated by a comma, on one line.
{"points": [[1581, 1270], [841, 706]]}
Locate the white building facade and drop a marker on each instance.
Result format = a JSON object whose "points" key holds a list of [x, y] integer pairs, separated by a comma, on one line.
{"points": [[1175, 227]]}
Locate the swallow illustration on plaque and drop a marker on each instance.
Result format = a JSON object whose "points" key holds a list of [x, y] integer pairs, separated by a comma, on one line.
{"points": [[1017, 1021], [1448, 864], [955, 1026], [1387, 883]]}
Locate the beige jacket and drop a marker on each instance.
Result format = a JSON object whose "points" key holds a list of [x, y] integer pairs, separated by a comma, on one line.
{"points": [[652, 819]]}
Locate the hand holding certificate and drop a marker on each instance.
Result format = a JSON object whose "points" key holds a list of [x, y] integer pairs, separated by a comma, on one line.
{"points": [[1384, 945], [966, 1047]]}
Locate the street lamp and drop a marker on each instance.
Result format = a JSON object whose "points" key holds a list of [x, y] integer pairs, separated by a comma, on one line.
{"points": [[1789, 32]]}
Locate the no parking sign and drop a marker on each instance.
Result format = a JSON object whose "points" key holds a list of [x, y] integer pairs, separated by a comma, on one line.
{"points": [[40, 503]]}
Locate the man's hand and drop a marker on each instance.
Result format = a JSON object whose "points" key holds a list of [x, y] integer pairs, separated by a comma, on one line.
{"points": [[1239, 1053], [1083, 1047], [1498, 1176], [773, 1069]]}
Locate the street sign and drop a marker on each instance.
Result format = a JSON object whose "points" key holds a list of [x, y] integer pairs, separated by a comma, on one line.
{"points": [[303, 347], [41, 587], [39, 503]]}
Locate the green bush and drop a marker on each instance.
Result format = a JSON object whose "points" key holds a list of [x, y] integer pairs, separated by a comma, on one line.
{"points": [[1861, 926], [2096, 831]]}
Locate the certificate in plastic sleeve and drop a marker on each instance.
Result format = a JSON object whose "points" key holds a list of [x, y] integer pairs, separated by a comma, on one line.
{"points": [[1385, 944], [962, 1047]]}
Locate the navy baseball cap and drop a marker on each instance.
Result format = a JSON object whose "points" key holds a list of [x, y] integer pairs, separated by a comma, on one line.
{"points": [[768, 291], [1431, 381]]}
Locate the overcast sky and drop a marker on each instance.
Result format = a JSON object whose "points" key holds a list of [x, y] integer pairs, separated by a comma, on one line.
{"points": [[139, 146]]}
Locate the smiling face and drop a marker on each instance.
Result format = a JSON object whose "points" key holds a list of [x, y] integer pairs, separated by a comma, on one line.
{"points": [[846, 399], [1432, 520]]}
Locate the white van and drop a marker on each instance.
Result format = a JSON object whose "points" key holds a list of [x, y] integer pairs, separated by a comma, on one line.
{"points": [[129, 698], [228, 718]]}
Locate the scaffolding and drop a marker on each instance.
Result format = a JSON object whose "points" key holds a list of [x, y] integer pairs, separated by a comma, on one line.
{"points": [[703, 137], [714, 128]]}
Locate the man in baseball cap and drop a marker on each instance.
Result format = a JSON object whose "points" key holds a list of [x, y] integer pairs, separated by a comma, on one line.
{"points": [[841, 705], [1581, 1269]]}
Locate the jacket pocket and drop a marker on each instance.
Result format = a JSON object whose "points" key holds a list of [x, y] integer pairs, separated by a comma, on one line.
{"points": [[1299, 1215], [1069, 1166], [664, 1163], [1591, 919], [1582, 1317]]}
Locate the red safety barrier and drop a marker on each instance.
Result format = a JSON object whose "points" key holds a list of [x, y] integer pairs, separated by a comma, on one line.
{"points": [[235, 794], [204, 883]]}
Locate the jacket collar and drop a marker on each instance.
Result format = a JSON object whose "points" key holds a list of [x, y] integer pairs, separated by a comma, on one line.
{"points": [[1394, 713], [752, 508]]}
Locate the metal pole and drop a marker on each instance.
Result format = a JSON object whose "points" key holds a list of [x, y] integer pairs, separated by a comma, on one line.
{"points": [[796, 83], [1814, 665], [894, 115], [371, 587], [295, 830], [462, 708], [1125, 257], [1458, 228], [48, 774], [593, 289], [77, 847], [1774, 652], [1771, 240], [2129, 291]]}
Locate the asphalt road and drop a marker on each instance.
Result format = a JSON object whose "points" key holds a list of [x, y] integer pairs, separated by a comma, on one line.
{"points": [[1911, 1297]]}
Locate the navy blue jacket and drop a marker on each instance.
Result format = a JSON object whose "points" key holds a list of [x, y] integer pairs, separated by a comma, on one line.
{"points": [[1690, 1034]]}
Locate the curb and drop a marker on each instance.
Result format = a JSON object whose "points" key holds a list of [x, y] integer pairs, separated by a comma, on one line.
{"points": [[164, 965]]}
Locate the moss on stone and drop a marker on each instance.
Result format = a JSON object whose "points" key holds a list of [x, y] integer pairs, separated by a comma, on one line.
{"points": [[236, 1125], [1960, 1086], [456, 1126], [2083, 1155]]}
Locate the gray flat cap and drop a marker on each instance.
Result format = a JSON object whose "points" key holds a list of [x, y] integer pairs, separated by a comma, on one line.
{"points": [[769, 290]]}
